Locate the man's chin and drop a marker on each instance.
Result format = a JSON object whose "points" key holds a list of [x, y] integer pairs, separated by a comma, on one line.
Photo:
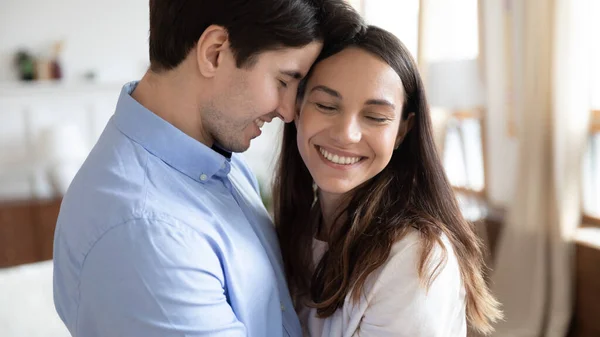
{"points": [[240, 150], [236, 144], [240, 147]]}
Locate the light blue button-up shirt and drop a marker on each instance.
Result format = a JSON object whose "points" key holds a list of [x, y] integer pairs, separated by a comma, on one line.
{"points": [[159, 235]]}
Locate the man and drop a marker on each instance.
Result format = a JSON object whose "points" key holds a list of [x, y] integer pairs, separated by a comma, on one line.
{"points": [[162, 232]]}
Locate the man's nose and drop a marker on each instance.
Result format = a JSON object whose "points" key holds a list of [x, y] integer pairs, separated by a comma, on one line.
{"points": [[286, 109]]}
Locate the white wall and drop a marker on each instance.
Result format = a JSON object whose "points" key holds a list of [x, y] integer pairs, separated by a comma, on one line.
{"points": [[595, 77], [400, 17], [109, 37], [27, 115]]}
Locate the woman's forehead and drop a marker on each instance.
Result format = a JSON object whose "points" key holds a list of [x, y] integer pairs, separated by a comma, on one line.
{"points": [[356, 73]]}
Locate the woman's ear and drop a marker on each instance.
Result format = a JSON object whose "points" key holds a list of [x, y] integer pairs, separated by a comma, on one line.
{"points": [[405, 127], [297, 109], [212, 47]]}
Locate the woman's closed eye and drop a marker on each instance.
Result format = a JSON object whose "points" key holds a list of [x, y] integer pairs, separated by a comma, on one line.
{"points": [[378, 119], [325, 107], [283, 84]]}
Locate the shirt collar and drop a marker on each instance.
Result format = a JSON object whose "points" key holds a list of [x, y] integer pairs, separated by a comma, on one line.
{"points": [[165, 141]]}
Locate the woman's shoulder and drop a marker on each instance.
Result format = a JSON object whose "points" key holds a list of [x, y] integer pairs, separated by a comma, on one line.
{"points": [[398, 301], [414, 239], [413, 243], [405, 259]]}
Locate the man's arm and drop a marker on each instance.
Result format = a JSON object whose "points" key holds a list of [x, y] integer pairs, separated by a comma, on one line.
{"points": [[150, 278]]}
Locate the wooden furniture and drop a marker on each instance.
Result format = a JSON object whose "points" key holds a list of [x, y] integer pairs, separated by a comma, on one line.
{"points": [[27, 231], [586, 316]]}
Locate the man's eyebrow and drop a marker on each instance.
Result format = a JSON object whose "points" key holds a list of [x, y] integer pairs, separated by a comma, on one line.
{"points": [[380, 102], [326, 90], [293, 74]]}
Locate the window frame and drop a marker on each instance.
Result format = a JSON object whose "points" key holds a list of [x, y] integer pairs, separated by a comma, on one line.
{"points": [[477, 114], [588, 220]]}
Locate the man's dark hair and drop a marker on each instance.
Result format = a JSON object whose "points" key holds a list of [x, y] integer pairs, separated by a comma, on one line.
{"points": [[253, 26]]}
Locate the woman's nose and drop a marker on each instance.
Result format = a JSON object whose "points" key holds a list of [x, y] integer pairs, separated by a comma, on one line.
{"points": [[347, 131]]}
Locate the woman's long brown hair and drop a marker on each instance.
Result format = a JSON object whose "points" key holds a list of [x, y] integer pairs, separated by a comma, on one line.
{"points": [[411, 192]]}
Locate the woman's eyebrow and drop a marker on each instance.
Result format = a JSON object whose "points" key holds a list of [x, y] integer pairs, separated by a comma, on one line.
{"points": [[326, 90], [380, 102]]}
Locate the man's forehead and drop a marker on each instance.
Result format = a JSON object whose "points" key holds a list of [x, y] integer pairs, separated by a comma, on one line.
{"points": [[293, 62]]}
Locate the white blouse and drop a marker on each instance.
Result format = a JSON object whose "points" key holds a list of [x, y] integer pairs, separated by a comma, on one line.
{"points": [[395, 302]]}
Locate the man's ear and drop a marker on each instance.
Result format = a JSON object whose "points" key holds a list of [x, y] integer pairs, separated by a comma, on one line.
{"points": [[405, 127], [212, 47]]}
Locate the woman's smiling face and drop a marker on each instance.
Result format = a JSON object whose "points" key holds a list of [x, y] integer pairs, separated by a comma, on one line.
{"points": [[349, 119]]}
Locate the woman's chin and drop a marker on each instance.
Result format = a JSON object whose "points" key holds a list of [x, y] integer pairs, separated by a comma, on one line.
{"points": [[333, 188]]}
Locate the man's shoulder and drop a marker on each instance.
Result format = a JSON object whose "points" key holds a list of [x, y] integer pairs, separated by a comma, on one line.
{"points": [[109, 185], [115, 187]]}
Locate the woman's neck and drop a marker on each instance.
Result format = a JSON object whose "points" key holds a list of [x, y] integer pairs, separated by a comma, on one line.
{"points": [[331, 205]]}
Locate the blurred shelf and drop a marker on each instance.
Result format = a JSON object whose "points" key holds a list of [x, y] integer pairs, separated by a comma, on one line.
{"points": [[12, 89]]}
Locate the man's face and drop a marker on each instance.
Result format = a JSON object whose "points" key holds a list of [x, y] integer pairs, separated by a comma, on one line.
{"points": [[248, 97]]}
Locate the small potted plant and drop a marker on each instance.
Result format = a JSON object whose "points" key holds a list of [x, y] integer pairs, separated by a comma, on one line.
{"points": [[25, 65]]}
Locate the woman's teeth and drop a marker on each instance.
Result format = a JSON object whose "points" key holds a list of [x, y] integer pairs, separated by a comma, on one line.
{"points": [[334, 158]]}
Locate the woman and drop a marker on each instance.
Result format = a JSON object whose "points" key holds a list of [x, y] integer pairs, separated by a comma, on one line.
{"points": [[379, 247]]}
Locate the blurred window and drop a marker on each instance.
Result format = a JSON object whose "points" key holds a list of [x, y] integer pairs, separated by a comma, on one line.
{"points": [[463, 151], [591, 167]]}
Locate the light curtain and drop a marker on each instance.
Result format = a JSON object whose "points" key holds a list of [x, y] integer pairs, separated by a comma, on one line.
{"points": [[533, 272]]}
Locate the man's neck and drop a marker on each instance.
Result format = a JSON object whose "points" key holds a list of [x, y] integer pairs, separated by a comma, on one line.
{"points": [[173, 98]]}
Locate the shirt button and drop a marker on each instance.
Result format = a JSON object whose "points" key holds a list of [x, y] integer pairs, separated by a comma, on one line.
{"points": [[282, 307], [224, 165], [203, 177]]}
